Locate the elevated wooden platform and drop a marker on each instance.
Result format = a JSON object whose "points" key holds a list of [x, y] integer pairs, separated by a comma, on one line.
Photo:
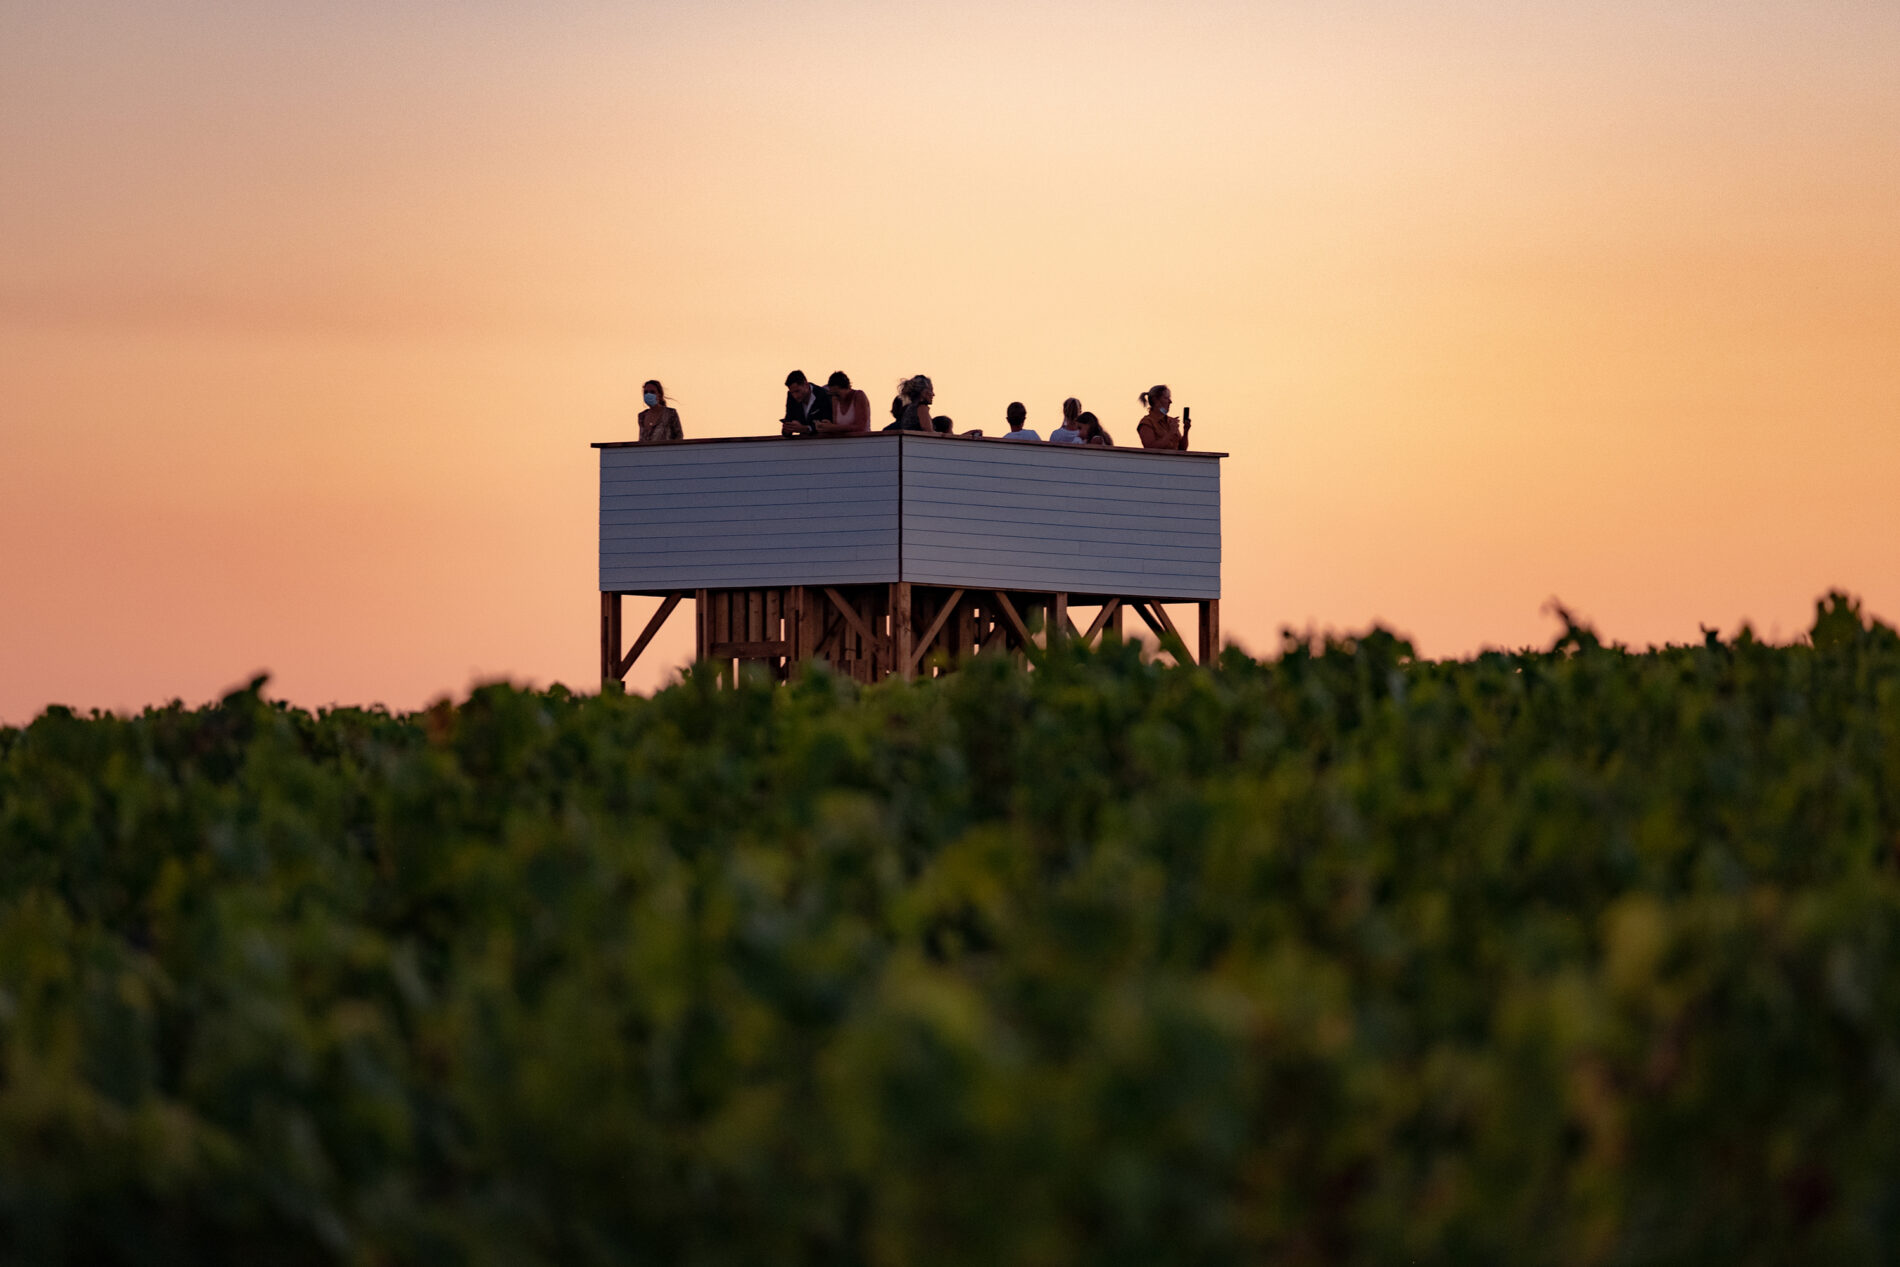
{"points": [[903, 553]]}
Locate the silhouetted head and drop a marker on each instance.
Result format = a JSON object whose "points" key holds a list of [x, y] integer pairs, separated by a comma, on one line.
{"points": [[917, 389], [653, 393], [798, 385], [1070, 408], [1158, 398], [1016, 415], [1089, 425]]}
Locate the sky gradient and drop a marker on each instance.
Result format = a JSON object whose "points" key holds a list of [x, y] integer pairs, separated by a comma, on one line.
{"points": [[308, 313]]}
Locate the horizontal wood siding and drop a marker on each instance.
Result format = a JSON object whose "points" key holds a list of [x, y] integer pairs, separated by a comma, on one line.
{"points": [[774, 512], [1063, 518], [768, 513]]}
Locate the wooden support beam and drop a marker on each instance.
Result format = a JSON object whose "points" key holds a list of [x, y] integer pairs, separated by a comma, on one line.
{"points": [[1210, 631], [903, 660], [723, 604], [949, 608], [851, 617], [1111, 608], [761, 649], [1015, 621], [1155, 616], [1059, 626], [702, 629], [1167, 622], [646, 635], [609, 637]]}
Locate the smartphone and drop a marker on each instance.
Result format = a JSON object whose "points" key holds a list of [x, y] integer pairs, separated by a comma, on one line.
{"points": [[1184, 415]]}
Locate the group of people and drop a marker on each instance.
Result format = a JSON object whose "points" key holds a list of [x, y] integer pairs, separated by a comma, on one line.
{"points": [[839, 409]]}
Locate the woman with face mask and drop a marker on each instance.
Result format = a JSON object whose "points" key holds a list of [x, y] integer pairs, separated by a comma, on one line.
{"points": [[658, 421], [1158, 428]]}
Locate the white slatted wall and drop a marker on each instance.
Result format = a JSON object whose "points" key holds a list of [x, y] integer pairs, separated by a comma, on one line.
{"points": [[974, 514], [1061, 518], [734, 516]]}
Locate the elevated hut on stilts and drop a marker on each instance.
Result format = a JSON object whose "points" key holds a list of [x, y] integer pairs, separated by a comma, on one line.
{"points": [[903, 553]]}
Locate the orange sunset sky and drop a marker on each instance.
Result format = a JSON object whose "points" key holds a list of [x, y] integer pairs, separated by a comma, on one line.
{"points": [[309, 312]]}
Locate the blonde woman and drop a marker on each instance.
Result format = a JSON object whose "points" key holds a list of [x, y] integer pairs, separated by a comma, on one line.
{"points": [[1158, 429], [1069, 432], [914, 396], [659, 421]]}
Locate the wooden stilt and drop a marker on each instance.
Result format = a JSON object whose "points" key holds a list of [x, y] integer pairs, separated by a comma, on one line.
{"points": [[609, 637], [1210, 631], [903, 663]]}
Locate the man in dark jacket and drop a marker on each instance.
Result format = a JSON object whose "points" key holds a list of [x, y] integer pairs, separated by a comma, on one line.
{"points": [[803, 406]]}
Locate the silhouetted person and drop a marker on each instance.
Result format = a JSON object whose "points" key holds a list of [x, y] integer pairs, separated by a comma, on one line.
{"points": [[1016, 415], [850, 408], [803, 406], [1089, 427], [658, 421], [1159, 430]]}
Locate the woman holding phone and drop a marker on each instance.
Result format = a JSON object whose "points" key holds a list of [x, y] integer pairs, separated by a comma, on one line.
{"points": [[1158, 430]]}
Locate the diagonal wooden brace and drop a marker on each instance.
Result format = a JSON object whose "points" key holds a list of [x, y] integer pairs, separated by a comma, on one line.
{"points": [[1101, 620], [852, 618], [646, 635], [1155, 616], [936, 627], [1016, 626]]}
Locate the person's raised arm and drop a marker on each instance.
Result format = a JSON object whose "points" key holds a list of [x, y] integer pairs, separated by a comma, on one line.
{"points": [[923, 417]]}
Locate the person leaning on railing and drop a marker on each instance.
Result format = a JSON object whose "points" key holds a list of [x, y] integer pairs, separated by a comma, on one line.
{"points": [[913, 406], [1159, 430], [1089, 427], [1016, 415], [805, 406], [1068, 433], [658, 421], [850, 408]]}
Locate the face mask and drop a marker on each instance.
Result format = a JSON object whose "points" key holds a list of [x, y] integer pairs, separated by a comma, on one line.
{"points": [[651, 398]]}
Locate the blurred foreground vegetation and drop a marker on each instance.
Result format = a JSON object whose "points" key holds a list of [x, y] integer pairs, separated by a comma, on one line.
{"points": [[1578, 956]]}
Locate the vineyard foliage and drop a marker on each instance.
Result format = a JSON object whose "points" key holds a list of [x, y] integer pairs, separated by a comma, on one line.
{"points": [[1573, 956]]}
